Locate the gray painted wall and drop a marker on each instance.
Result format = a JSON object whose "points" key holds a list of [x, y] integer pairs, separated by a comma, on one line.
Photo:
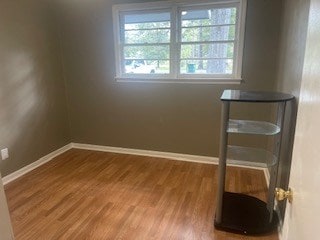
{"points": [[33, 113], [182, 118], [291, 57]]}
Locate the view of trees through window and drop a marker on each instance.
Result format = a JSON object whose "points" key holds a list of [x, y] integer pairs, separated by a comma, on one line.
{"points": [[204, 43], [147, 39], [207, 42]]}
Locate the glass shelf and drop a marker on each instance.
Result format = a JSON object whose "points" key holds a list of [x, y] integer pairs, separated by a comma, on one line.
{"points": [[254, 96], [252, 127], [247, 156]]}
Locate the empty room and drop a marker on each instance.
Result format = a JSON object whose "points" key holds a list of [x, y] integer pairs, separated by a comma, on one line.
{"points": [[178, 120]]}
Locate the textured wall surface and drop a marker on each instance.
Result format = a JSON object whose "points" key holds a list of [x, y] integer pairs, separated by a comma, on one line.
{"points": [[42, 43], [182, 118], [33, 113]]}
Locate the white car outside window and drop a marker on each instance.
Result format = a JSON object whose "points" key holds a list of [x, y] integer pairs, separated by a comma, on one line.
{"points": [[139, 66]]}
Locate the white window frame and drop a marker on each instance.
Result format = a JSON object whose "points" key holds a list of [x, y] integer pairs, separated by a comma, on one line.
{"points": [[175, 7]]}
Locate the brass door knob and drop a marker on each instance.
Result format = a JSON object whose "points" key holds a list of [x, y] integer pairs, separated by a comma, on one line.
{"points": [[281, 194]]}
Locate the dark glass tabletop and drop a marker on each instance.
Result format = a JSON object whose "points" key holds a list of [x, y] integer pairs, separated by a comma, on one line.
{"points": [[255, 96]]}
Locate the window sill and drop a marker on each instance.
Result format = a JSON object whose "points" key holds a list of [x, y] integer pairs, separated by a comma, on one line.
{"points": [[181, 80]]}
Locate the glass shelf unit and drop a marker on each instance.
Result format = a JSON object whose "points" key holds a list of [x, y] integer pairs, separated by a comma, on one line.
{"points": [[248, 156], [232, 211], [252, 127]]}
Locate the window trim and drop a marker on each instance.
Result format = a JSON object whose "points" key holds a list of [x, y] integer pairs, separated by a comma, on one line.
{"points": [[175, 7]]}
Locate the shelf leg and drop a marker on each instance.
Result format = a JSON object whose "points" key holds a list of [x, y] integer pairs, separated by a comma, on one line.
{"points": [[222, 159], [274, 169]]}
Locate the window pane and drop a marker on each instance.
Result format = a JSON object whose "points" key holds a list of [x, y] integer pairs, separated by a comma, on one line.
{"points": [[163, 66], [216, 24], [169, 40], [147, 36], [211, 66], [146, 66], [147, 27], [205, 17], [217, 33], [146, 52], [147, 18], [216, 50]]}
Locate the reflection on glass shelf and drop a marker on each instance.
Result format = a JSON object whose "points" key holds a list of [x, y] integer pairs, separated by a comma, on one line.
{"points": [[252, 127], [255, 96], [254, 157]]}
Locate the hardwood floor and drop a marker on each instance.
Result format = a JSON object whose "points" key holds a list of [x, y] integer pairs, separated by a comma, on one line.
{"points": [[96, 195]]}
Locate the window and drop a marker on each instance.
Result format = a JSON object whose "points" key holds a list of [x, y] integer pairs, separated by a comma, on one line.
{"points": [[179, 42]]}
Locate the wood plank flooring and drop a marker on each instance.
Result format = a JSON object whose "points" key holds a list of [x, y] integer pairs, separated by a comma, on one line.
{"points": [[96, 195]]}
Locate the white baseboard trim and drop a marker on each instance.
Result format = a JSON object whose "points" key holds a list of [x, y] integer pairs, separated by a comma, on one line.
{"points": [[148, 153], [9, 178], [159, 154]]}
